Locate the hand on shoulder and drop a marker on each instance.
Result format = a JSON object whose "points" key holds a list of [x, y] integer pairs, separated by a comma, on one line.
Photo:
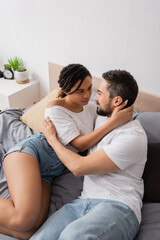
{"points": [[49, 130]]}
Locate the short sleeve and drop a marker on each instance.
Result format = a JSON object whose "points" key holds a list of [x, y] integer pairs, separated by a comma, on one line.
{"points": [[126, 150], [65, 126]]}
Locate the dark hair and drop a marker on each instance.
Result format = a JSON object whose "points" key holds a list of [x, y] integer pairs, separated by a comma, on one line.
{"points": [[121, 83], [69, 75]]}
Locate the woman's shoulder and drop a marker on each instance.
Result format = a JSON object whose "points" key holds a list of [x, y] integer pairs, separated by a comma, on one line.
{"points": [[56, 102]]}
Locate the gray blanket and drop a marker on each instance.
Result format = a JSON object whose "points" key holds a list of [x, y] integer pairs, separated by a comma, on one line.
{"points": [[12, 130]]}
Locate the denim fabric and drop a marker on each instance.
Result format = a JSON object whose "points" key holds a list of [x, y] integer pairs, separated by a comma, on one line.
{"points": [[88, 219], [38, 147]]}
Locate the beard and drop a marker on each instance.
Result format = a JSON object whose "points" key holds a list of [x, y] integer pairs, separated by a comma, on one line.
{"points": [[106, 111]]}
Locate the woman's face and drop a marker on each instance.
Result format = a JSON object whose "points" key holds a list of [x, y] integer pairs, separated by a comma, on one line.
{"points": [[82, 95]]}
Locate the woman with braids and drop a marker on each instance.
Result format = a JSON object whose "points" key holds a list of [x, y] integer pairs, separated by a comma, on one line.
{"points": [[30, 166]]}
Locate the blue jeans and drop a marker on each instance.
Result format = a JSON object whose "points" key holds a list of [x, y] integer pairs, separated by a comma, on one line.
{"points": [[88, 219]]}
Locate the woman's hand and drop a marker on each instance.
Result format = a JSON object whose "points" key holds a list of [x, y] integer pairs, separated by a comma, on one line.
{"points": [[49, 130], [120, 115]]}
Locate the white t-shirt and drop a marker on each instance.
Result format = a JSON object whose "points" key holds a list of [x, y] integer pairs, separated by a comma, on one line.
{"points": [[69, 124], [126, 146]]}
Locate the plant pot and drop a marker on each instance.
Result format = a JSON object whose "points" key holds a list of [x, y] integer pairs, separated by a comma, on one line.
{"points": [[21, 76]]}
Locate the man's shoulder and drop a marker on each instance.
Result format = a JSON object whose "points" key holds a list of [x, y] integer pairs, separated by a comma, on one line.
{"points": [[133, 132], [132, 125]]}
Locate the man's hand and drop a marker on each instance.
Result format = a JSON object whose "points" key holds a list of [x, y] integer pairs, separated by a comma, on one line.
{"points": [[120, 115], [49, 130]]}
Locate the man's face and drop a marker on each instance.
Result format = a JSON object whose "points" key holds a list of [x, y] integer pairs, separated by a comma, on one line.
{"points": [[104, 102]]}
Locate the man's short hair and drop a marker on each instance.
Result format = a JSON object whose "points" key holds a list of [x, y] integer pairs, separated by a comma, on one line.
{"points": [[123, 84]]}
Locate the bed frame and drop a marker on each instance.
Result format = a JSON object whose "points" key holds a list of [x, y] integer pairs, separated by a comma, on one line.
{"points": [[145, 102]]}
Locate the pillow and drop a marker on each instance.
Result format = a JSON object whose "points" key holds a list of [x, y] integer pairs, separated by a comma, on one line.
{"points": [[151, 175], [150, 121], [34, 116]]}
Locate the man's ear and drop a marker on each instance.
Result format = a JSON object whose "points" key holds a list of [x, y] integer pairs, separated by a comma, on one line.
{"points": [[117, 101]]}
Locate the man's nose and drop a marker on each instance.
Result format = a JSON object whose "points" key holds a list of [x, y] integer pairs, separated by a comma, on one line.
{"points": [[95, 98]]}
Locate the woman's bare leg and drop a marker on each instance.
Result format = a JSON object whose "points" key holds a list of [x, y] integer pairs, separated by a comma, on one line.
{"points": [[46, 196], [24, 183], [46, 192]]}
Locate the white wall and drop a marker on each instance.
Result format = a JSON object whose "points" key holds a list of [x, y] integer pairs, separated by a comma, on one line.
{"points": [[101, 34]]}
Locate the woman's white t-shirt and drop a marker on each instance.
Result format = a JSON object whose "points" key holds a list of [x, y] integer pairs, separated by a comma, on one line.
{"points": [[126, 146], [69, 124]]}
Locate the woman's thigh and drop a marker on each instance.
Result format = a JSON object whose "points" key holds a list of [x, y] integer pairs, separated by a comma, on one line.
{"points": [[24, 182]]}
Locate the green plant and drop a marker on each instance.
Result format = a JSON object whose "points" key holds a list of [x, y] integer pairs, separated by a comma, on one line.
{"points": [[22, 69], [7, 66], [15, 63]]}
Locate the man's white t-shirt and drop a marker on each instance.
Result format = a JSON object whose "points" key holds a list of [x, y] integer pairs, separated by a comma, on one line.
{"points": [[69, 124], [126, 146]]}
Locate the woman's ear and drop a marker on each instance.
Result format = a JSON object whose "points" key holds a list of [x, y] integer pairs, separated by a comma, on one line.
{"points": [[117, 101]]}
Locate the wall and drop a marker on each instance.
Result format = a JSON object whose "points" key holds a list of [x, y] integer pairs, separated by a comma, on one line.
{"points": [[101, 34]]}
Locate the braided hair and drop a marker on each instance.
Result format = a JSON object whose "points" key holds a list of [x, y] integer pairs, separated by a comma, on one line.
{"points": [[69, 76]]}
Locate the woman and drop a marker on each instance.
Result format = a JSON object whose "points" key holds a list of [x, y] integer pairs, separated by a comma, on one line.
{"points": [[36, 163]]}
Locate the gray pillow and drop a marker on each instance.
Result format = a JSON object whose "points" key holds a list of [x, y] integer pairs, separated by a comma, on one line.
{"points": [[150, 121]]}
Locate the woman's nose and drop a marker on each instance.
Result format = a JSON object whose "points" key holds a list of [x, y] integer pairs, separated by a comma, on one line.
{"points": [[87, 94]]}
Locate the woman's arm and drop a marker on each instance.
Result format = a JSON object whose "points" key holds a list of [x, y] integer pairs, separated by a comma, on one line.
{"points": [[95, 163], [119, 116]]}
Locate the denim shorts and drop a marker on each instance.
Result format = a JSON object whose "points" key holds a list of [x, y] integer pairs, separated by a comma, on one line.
{"points": [[38, 147]]}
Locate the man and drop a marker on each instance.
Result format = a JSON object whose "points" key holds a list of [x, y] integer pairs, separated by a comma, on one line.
{"points": [[110, 204]]}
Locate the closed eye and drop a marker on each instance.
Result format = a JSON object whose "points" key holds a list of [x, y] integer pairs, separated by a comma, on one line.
{"points": [[80, 91]]}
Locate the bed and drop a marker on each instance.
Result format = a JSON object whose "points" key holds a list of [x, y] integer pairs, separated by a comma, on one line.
{"points": [[67, 187]]}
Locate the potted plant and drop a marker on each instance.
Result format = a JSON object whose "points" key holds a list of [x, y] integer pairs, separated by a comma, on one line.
{"points": [[20, 73], [9, 69], [15, 63]]}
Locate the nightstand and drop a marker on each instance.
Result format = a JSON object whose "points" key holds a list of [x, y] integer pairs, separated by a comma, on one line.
{"points": [[14, 95]]}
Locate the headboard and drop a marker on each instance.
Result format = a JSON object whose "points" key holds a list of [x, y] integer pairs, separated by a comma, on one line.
{"points": [[145, 102]]}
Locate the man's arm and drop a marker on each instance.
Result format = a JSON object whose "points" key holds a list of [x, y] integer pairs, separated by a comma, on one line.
{"points": [[95, 163]]}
